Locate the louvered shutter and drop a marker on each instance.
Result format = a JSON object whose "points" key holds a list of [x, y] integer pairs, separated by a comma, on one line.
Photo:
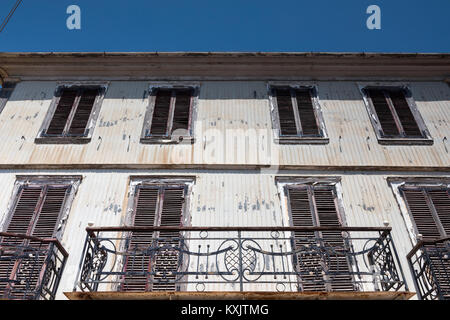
{"points": [[62, 111], [441, 202], [430, 210], [167, 261], [20, 222], [306, 113], [83, 112], [420, 210], [36, 213], [285, 112], [307, 261], [161, 112], [316, 207], [136, 266], [383, 112], [155, 206], [404, 113], [182, 110], [338, 264]]}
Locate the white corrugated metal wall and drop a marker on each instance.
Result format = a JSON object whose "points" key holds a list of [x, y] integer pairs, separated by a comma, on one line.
{"points": [[219, 198]]}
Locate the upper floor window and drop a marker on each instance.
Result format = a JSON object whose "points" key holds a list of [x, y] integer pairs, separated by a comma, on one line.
{"points": [[5, 92], [394, 116], [72, 114], [169, 117], [296, 114]]}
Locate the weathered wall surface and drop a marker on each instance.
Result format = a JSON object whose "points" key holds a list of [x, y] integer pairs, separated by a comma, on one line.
{"points": [[223, 106], [219, 198]]}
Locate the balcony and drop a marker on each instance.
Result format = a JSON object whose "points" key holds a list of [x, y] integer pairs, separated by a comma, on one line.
{"points": [[30, 267], [429, 262], [239, 263]]}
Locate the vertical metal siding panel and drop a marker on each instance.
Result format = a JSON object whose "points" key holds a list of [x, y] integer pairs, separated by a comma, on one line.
{"points": [[21, 119]]}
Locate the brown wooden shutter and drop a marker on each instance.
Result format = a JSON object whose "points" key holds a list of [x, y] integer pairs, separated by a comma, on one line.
{"points": [[155, 206], [404, 113], [73, 111], [83, 112], [430, 210], [394, 113], [306, 262], [316, 207], [48, 218], [36, 213], [182, 111], [25, 209], [328, 217], [441, 202], [306, 113], [167, 261], [161, 112], [62, 112], [420, 210], [384, 113], [144, 216], [285, 112], [20, 222]]}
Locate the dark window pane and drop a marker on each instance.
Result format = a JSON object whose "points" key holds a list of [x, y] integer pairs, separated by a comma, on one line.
{"points": [[62, 112], [182, 110], [384, 114], [404, 113], [285, 112], [306, 112], [83, 112], [161, 113]]}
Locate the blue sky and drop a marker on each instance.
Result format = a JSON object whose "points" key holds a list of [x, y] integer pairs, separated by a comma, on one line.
{"points": [[231, 25]]}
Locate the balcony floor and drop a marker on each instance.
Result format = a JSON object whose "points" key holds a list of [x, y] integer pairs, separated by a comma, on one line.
{"points": [[227, 295]]}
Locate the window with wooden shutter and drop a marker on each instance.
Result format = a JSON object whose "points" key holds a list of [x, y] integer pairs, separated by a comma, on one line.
{"points": [[394, 116], [429, 207], [155, 205], [5, 92], [297, 115], [72, 115], [311, 206], [169, 116], [37, 212]]}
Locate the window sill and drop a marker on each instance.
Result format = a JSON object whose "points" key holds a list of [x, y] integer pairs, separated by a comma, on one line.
{"points": [[161, 140], [62, 140], [405, 141], [302, 140]]}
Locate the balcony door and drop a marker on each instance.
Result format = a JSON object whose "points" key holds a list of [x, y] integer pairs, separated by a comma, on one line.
{"points": [[152, 257], [429, 208], [321, 262], [36, 212]]}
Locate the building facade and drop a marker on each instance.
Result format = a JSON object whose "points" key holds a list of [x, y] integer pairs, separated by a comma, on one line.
{"points": [[282, 175]]}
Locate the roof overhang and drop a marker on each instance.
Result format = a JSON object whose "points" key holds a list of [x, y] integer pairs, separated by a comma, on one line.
{"points": [[224, 65]]}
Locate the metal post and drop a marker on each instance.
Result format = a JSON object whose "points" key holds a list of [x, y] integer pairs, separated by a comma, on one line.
{"points": [[81, 263], [241, 275]]}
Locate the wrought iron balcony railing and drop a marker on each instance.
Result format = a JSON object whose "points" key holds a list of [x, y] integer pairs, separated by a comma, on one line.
{"points": [[239, 259], [30, 267], [429, 262]]}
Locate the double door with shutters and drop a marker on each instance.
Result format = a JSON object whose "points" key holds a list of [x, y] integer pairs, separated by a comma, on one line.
{"points": [[321, 261], [429, 208], [37, 212], [153, 258]]}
